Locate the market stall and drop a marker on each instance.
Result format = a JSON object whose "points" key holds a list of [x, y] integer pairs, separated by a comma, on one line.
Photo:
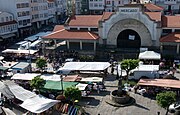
{"points": [[38, 104], [150, 55], [56, 85]]}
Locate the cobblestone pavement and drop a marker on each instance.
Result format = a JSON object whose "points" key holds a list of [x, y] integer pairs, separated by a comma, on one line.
{"points": [[143, 106]]}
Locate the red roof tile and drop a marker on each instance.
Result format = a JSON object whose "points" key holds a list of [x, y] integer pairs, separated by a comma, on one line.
{"points": [[154, 15], [173, 37], [50, 0], [8, 23], [106, 15], [153, 7], [71, 35], [171, 21], [85, 20]]}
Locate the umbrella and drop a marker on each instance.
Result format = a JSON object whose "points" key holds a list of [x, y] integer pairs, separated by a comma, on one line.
{"points": [[4, 89]]}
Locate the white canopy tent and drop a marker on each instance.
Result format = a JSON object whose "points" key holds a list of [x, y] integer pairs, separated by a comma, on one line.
{"points": [[38, 104], [81, 86], [25, 76], [150, 55], [51, 77], [30, 76], [16, 51], [7, 111], [36, 36], [4, 89], [86, 66], [21, 93], [92, 79]]}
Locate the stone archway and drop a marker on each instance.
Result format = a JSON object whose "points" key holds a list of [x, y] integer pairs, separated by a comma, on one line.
{"points": [[129, 24], [128, 39]]}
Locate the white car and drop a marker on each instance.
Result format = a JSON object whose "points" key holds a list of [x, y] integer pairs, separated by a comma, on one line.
{"points": [[174, 107]]}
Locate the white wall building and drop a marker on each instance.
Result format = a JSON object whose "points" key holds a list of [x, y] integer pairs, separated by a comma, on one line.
{"points": [[168, 5], [61, 8], [21, 12], [8, 26], [39, 12], [51, 11]]}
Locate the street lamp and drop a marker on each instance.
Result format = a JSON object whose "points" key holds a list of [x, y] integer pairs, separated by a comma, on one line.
{"points": [[29, 52], [61, 76]]}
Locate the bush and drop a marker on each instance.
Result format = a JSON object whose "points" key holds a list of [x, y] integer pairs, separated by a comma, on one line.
{"points": [[72, 93]]}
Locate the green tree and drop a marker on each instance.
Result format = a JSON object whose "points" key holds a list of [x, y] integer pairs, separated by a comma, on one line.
{"points": [[128, 65], [41, 63], [165, 99], [72, 93], [37, 83]]}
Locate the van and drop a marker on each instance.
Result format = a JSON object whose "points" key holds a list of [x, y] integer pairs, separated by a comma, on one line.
{"points": [[145, 72]]}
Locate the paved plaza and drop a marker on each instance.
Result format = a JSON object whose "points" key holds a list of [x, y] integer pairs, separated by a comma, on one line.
{"points": [[143, 106]]}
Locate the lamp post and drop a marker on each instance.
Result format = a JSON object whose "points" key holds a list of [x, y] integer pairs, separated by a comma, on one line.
{"points": [[29, 52], [61, 76]]}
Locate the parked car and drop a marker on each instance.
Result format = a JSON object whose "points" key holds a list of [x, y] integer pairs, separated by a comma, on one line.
{"points": [[144, 71], [174, 107]]}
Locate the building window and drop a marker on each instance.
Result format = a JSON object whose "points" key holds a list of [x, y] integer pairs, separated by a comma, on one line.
{"points": [[91, 5], [20, 22], [7, 19], [10, 18], [95, 5], [73, 29], [108, 2], [83, 28], [94, 29], [177, 30], [167, 30], [2, 19]]}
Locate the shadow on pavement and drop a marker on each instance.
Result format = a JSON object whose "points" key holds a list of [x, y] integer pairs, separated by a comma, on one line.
{"points": [[140, 106], [102, 93], [89, 101]]}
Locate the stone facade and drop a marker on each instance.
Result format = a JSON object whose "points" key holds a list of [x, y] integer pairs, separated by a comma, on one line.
{"points": [[132, 18]]}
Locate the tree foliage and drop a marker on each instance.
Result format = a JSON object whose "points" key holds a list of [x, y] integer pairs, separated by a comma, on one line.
{"points": [[165, 99], [41, 63], [72, 93], [37, 82], [129, 64]]}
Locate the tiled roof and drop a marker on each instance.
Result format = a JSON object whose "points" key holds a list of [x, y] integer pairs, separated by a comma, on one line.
{"points": [[71, 35], [85, 20], [154, 15], [173, 37], [171, 21], [106, 15], [8, 23], [153, 7], [50, 0]]}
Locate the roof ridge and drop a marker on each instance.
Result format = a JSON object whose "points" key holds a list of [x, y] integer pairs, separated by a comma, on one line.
{"points": [[55, 32], [91, 35]]}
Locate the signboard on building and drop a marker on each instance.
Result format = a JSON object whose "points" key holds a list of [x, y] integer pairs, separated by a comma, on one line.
{"points": [[128, 10]]}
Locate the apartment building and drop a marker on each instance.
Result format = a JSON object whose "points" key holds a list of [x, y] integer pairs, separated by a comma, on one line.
{"points": [[98, 6], [51, 11], [170, 6], [21, 11], [61, 9], [39, 13], [8, 26]]}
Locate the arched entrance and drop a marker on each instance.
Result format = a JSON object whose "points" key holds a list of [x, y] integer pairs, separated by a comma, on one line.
{"points": [[128, 39]]}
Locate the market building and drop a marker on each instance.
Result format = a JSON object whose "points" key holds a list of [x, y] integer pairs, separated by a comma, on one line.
{"points": [[131, 27]]}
